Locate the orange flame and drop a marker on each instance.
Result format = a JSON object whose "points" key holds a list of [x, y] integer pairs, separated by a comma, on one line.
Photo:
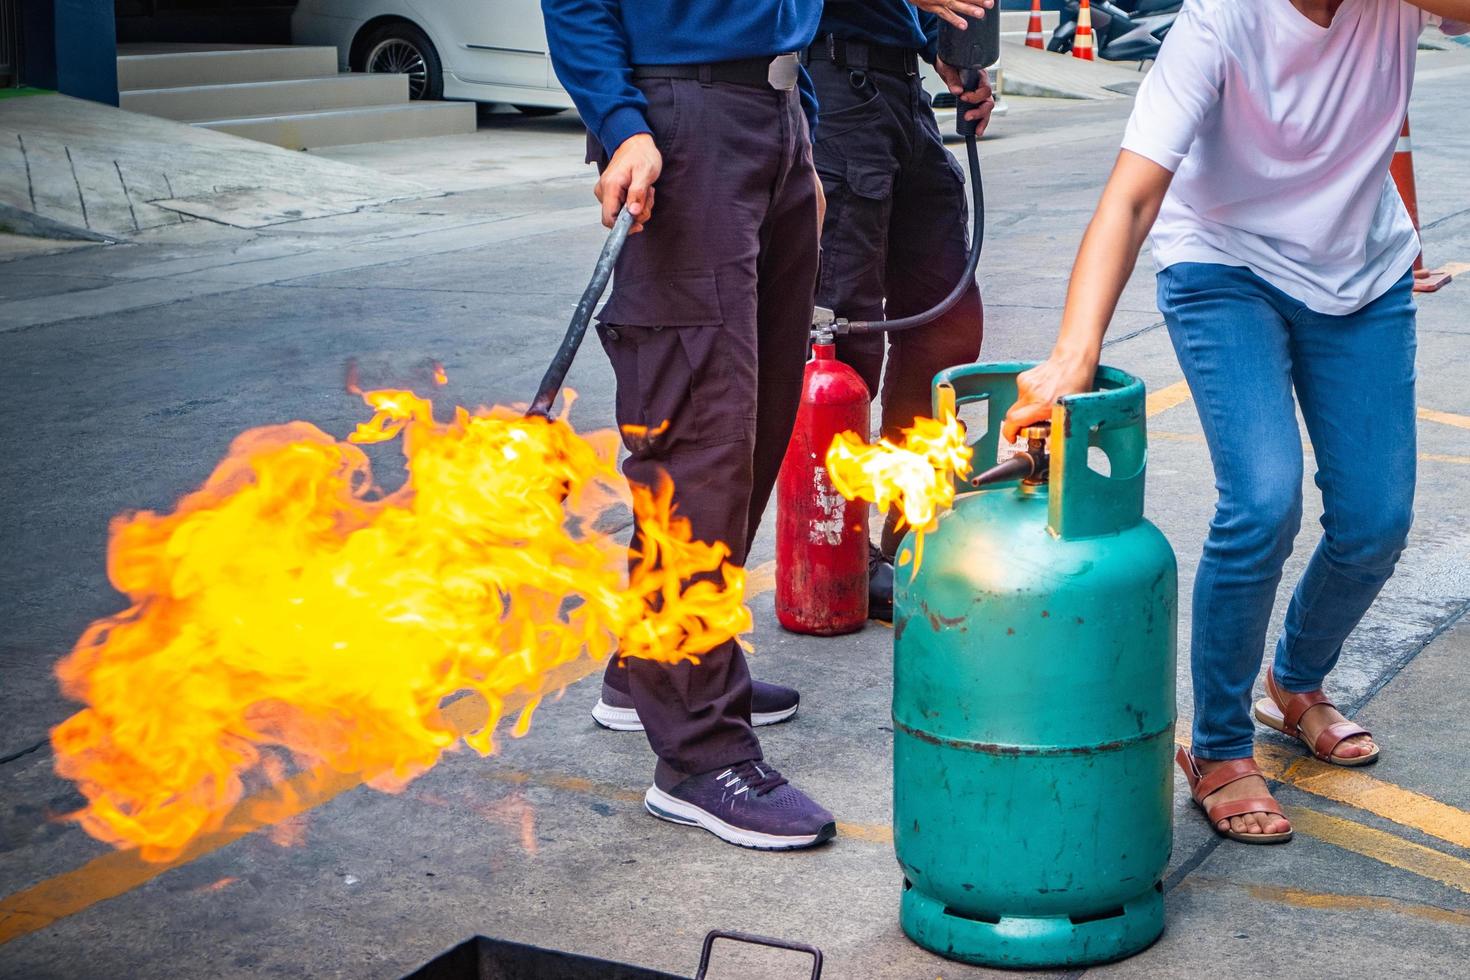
{"points": [[916, 475], [289, 613]]}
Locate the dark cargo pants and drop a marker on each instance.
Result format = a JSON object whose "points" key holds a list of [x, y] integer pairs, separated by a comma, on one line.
{"points": [[706, 330], [894, 241]]}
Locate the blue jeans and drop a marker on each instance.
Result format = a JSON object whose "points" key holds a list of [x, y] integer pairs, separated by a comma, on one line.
{"points": [[1244, 346]]}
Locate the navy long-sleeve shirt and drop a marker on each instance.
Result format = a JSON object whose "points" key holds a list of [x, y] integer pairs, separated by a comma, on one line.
{"points": [[595, 44], [890, 23]]}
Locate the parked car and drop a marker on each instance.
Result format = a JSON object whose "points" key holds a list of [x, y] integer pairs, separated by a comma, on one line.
{"points": [[477, 50]]}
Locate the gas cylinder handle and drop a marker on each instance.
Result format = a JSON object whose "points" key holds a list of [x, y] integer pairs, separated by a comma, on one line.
{"points": [[970, 383], [1085, 503]]}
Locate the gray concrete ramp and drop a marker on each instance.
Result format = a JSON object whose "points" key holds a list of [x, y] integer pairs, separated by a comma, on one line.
{"points": [[1048, 75], [105, 171]]}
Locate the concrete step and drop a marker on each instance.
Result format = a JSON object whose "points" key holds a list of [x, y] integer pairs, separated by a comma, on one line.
{"points": [[155, 66], [192, 103], [336, 127]]}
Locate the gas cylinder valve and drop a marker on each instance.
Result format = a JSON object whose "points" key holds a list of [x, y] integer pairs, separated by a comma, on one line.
{"points": [[825, 325], [1031, 465]]}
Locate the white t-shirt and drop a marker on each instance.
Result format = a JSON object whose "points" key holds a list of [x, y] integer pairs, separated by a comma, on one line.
{"points": [[1279, 133]]}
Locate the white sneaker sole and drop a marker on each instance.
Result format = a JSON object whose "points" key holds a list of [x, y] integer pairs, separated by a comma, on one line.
{"points": [[665, 807], [626, 719]]}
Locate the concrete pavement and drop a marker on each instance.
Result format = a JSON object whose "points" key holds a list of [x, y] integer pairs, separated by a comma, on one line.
{"points": [[130, 367]]}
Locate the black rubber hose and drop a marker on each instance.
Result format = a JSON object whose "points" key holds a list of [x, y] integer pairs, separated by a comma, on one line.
{"points": [[556, 373], [972, 260]]}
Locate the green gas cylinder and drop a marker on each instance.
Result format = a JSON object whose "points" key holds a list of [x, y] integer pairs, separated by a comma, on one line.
{"points": [[1033, 698]]}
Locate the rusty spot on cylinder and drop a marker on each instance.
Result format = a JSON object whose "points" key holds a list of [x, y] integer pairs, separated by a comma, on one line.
{"points": [[942, 622], [1010, 631], [1045, 614], [938, 622]]}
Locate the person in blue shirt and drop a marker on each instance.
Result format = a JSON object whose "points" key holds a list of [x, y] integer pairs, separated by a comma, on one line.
{"points": [[894, 241], [702, 107]]}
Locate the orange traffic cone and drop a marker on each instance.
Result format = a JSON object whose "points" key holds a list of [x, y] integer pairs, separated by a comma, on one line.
{"points": [[1082, 44], [1402, 168], [1033, 29]]}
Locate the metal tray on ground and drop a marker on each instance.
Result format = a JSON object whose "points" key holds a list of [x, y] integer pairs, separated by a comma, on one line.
{"points": [[483, 958]]}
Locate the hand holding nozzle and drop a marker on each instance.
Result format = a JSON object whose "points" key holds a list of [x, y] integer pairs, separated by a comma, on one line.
{"points": [[974, 97], [1031, 465]]}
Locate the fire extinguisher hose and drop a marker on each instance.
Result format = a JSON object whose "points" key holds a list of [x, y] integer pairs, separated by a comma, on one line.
{"points": [[972, 260], [561, 363]]}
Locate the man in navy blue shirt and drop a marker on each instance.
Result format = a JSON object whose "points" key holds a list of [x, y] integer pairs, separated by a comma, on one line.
{"points": [[703, 106], [894, 241]]}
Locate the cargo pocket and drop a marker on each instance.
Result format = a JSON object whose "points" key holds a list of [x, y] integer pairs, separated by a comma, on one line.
{"points": [[875, 183], [854, 238], [670, 351]]}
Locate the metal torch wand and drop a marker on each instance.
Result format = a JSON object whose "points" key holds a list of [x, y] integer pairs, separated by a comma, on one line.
{"points": [[556, 373]]}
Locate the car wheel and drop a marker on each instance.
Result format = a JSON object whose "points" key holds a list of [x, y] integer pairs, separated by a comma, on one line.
{"points": [[403, 49], [538, 110]]}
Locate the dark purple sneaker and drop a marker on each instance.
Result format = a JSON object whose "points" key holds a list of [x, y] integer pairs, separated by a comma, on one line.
{"points": [[770, 703], [748, 805]]}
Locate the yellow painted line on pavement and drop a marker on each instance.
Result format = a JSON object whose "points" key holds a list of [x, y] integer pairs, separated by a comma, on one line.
{"points": [[1329, 901], [1166, 398], [1445, 418], [1444, 458], [760, 579], [870, 833], [1382, 846], [1358, 789], [116, 872], [1195, 437]]}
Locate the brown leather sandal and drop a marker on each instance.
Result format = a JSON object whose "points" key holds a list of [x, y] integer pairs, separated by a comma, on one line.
{"points": [[1202, 785], [1282, 711]]}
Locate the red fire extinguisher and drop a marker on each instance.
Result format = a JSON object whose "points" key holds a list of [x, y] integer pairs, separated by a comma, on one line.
{"points": [[821, 537]]}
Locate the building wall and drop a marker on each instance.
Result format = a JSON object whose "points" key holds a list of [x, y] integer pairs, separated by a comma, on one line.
{"points": [[70, 46], [213, 21]]}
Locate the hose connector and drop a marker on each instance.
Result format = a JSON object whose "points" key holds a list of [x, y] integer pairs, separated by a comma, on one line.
{"points": [[826, 325], [1032, 465]]}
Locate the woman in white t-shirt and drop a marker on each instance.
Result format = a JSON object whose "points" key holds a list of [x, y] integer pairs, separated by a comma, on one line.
{"points": [[1258, 153]]}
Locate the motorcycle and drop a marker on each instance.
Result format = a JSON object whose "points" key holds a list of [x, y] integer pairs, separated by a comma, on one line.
{"points": [[1122, 30]]}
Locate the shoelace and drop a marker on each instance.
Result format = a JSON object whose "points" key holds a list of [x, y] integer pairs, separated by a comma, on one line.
{"points": [[756, 777]]}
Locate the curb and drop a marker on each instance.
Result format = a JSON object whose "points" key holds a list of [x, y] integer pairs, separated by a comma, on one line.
{"points": [[22, 222]]}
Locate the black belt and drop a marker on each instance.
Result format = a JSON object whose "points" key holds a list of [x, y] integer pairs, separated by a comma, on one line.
{"points": [[778, 72], [863, 57]]}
